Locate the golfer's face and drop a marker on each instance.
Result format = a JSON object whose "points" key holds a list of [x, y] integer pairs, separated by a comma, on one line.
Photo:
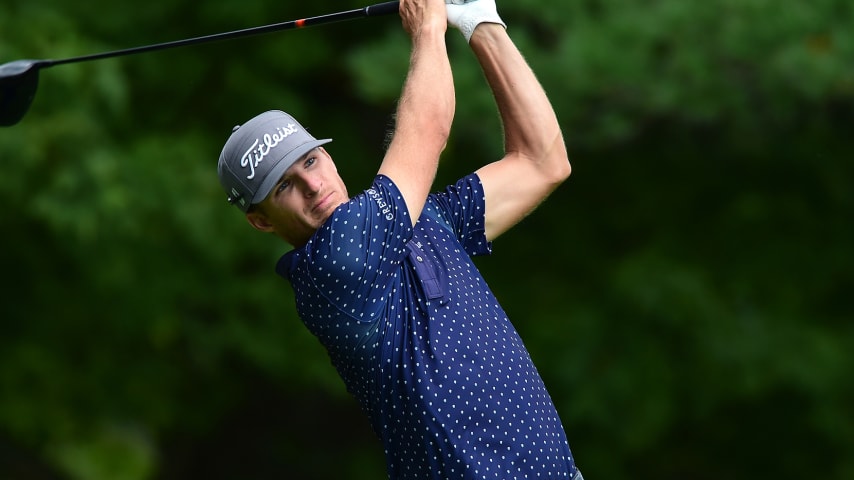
{"points": [[305, 196]]}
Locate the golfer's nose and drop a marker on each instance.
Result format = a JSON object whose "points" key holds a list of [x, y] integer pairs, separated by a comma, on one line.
{"points": [[311, 184]]}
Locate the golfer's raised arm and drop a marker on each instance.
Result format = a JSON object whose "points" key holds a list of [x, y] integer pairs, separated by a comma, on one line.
{"points": [[426, 106], [535, 160]]}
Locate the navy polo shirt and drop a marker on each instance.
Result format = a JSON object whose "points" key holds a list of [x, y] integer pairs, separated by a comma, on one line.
{"points": [[422, 343]]}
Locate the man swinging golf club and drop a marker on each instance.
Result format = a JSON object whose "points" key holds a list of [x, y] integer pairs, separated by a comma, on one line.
{"points": [[385, 280]]}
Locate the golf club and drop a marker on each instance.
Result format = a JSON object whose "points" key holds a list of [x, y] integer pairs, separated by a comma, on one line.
{"points": [[19, 79]]}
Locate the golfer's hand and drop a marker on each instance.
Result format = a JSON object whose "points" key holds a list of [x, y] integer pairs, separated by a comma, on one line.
{"points": [[417, 15], [466, 15]]}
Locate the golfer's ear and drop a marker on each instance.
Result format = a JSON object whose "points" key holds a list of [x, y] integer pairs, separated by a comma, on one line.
{"points": [[259, 221]]}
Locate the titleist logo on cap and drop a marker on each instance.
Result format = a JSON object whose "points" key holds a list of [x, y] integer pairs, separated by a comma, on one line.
{"points": [[262, 147]]}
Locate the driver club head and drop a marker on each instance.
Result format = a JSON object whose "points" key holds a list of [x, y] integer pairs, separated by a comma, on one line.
{"points": [[19, 79], [18, 83]]}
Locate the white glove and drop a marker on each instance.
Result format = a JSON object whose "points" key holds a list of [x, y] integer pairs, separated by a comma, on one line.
{"points": [[466, 15]]}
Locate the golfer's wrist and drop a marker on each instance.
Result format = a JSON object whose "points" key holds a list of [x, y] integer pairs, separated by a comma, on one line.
{"points": [[434, 29], [486, 31]]}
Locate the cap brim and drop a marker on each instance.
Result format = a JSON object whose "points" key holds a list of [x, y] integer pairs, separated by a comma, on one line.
{"points": [[275, 173]]}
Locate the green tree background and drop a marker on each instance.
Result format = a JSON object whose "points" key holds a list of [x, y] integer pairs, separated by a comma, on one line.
{"points": [[686, 295]]}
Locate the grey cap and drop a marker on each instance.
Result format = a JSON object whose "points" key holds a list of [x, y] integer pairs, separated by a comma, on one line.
{"points": [[257, 154]]}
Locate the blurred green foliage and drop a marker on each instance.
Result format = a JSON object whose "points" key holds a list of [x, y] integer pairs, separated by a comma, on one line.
{"points": [[686, 295]]}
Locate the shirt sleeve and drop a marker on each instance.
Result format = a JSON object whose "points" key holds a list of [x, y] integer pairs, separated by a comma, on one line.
{"points": [[353, 258], [462, 207]]}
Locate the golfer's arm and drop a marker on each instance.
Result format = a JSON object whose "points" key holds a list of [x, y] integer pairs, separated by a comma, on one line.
{"points": [[535, 160], [424, 115]]}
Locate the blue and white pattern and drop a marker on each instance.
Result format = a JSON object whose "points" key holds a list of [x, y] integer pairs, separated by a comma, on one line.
{"points": [[422, 343]]}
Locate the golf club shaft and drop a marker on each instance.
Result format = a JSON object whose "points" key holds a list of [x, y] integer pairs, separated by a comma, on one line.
{"points": [[385, 8]]}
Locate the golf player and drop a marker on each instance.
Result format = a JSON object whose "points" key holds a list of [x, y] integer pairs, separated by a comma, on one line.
{"points": [[384, 278]]}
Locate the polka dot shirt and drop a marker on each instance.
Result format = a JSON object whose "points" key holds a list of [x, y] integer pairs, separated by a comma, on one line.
{"points": [[421, 341]]}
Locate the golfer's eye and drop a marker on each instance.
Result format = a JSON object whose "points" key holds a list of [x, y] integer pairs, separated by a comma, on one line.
{"points": [[282, 186]]}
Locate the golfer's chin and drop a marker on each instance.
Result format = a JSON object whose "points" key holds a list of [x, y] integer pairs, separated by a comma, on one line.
{"points": [[317, 217], [326, 207], [312, 221]]}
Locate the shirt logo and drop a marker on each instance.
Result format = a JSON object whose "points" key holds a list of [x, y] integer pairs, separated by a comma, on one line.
{"points": [[262, 147], [384, 207]]}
